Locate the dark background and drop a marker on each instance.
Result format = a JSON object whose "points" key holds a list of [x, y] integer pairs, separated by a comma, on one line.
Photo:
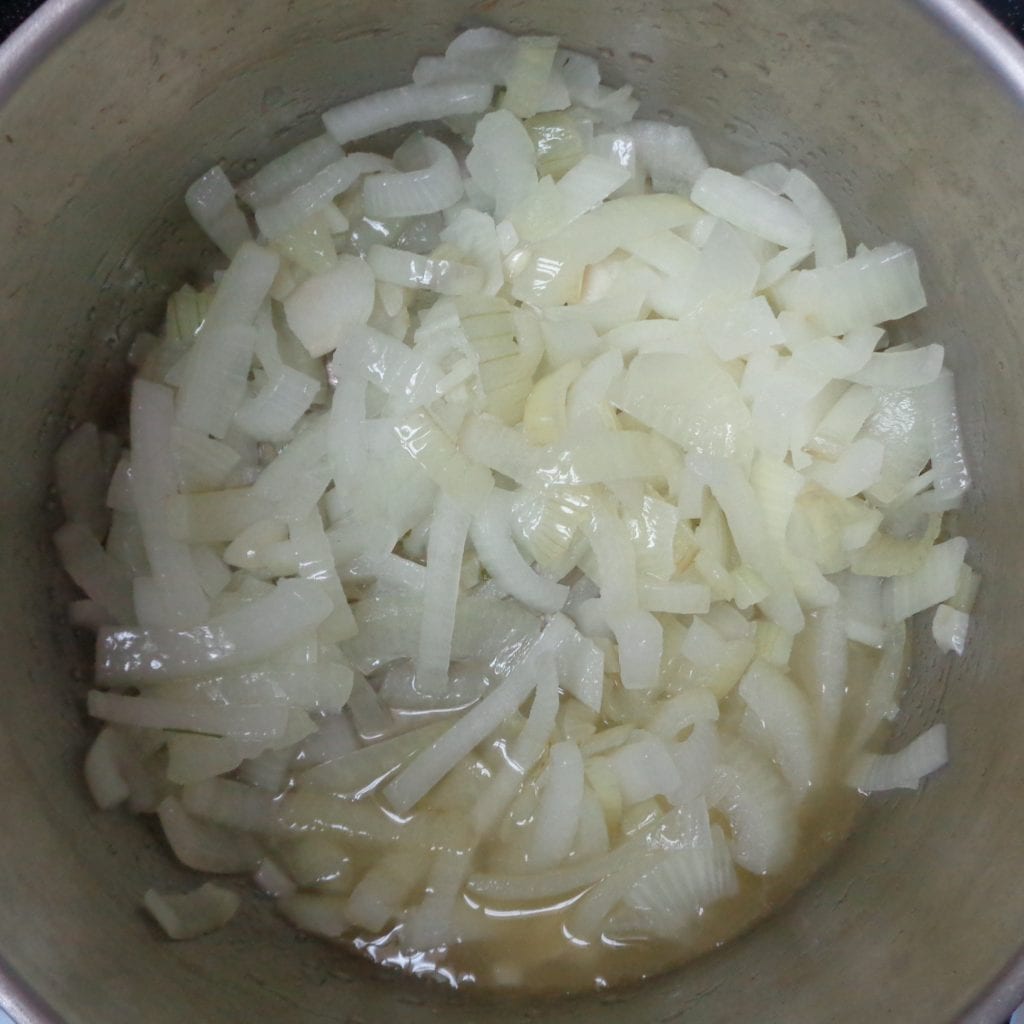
{"points": [[1011, 12], [13, 12]]}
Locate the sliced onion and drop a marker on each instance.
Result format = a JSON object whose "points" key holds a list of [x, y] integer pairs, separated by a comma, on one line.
{"points": [[560, 806], [451, 620], [445, 276], [189, 915], [288, 171], [873, 773], [323, 308], [869, 288], [434, 187], [211, 201], [407, 104], [752, 207]]}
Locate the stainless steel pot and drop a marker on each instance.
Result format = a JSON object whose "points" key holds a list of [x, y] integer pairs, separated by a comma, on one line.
{"points": [[911, 115]]}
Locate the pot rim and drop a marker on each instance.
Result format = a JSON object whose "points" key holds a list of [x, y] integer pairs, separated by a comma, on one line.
{"points": [[993, 45]]}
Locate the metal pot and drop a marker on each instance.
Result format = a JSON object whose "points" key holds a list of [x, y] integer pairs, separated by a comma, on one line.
{"points": [[909, 114]]}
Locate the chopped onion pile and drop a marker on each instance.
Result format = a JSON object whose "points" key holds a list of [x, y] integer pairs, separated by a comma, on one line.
{"points": [[523, 525]]}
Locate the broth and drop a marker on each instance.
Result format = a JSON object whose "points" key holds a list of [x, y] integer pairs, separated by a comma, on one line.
{"points": [[526, 945]]}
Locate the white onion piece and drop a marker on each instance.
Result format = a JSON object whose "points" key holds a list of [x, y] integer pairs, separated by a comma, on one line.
{"points": [[841, 424], [760, 809], [211, 201], [230, 804], [316, 564], [873, 773], [502, 161], [690, 399], [645, 768], [426, 770], [771, 176], [639, 637], [736, 497], [296, 479], [587, 184], [211, 516], [272, 414], [947, 448], [102, 577], [751, 207], [214, 386], [465, 481], [238, 637], [742, 330], [103, 775], [370, 715], [410, 378], [434, 187], [205, 846], [295, 207], [670, 717], [447, 277], [909, 369], [727, 272], [831, 358], [528, 78], [874, 286], [581, 75], [484, 52], [273, 880], [856, 469], [241, 290], [785, 715], [252, 722], [949, 628], [667, 253], [195, 757], [358, 771], [559, 807], [203, 463], [552, 275], [695, 760], [407, 104], [152, 484], [932, 584], [324, 308], [380, 895], [581, 671], [677, 598], [448, 532], [525, 752], [589, 913], [669, 154], [317, 913], [775, 269], [431, 923], [287, 172], [673, 895], [476, 235], [492, 539], [189, 915], [216, 371], [827, 233], [81, 471], [552, 883]]}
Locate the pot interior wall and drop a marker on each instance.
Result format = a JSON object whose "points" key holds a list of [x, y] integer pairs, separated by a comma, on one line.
{"points": [[911, 138]]}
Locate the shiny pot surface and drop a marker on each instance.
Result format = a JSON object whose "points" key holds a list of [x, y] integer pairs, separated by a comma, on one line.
{"points": [[910, 115]]}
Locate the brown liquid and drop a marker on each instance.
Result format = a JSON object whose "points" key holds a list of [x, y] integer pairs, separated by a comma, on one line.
{"points": [[526, 948]]}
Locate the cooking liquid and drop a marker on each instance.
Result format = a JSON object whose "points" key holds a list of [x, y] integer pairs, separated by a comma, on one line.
{"points": [[527, 946]]}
